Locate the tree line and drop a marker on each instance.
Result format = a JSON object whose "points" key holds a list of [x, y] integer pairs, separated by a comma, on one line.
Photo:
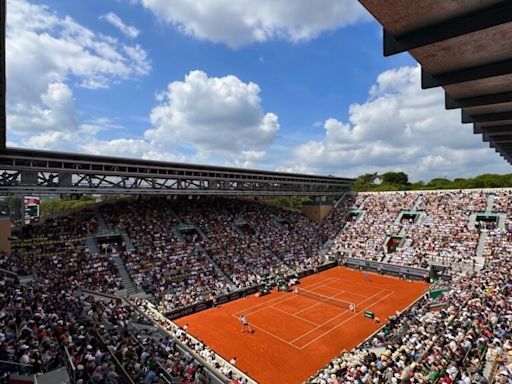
{"points": [[399, 181]]}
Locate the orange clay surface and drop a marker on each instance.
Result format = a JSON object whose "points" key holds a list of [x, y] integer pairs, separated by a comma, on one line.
{"points": [[295, 336]]}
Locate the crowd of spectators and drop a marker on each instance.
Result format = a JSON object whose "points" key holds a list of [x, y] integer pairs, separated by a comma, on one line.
{"points": [[364, 236], [26, 332], [146, 356], [190, 250], [56, 250], [171, 267], [338, 217], [43, 328], [434, 227], [442, 234], [252, 241]]}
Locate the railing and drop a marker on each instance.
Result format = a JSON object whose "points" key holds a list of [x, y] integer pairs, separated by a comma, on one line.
{"points": [[70, 366], [9, 274], [11, 367], [119, 366], [42, 241], [166, 376], [102, 295], [343, 197]]}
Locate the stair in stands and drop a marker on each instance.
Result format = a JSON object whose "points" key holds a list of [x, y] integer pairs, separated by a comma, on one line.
{"points": [[417, 202], [128, 283], [201, 233], [403, 231], [344, 223], [92, 244], [57, 376], [479, 257], [127, 241], [490, 203], [343, 197], [102, 225], [238, 230], [178, 235], [175, 215]]}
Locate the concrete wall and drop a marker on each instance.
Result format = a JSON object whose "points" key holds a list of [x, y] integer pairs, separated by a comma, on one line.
{"points": [[316, 212], [5, 233]]}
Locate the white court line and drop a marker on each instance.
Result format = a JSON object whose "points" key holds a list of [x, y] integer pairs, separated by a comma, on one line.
{"points": [[365, 285], [292, 314], [286, 298], [279, 298], [271, 334], [344, 321], [323, 283], [332, 318], [319, 302], [349, 292]]}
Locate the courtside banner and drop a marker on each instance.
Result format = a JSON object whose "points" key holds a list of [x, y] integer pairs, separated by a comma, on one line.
{"points": [[251, 290], [31, 208], [234, 296], [203, 306], [390, 268], [325, 267], [305, 273]]}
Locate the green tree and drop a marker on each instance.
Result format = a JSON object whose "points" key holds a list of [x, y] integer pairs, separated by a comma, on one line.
{"points": [[399, 178], [393, 181], [365, 182]]}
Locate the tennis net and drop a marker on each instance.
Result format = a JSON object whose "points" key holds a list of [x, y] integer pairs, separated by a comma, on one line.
{"points": [[326, 299]]}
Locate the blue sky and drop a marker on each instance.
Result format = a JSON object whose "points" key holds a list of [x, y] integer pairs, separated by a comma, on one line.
{"points": [[299, 86]]}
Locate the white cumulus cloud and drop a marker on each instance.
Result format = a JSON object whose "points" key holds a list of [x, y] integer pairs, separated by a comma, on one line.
{"points": [[117, 22], [399, 127], [201, 119], [242, 22], [212, 115], [46, 55]]}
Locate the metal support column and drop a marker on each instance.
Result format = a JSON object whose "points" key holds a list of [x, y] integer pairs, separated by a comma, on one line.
{"points": [[65, 180], [28, 177], [3, 120]]}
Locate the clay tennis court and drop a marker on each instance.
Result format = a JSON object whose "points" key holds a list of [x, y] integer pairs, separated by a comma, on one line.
{"points": [[296, 335]]}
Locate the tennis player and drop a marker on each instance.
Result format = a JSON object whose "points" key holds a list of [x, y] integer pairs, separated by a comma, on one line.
{"points": [[366, 276], [245, 324]]}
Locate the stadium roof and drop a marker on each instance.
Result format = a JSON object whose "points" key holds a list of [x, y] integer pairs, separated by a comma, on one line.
{"points": [[464, 46], [33, 171]]}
